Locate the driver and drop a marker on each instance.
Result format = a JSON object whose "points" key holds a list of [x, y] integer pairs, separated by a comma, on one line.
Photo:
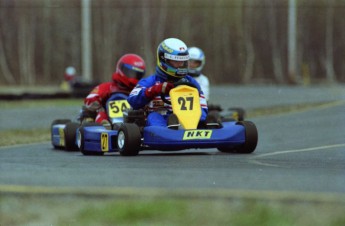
{"points": [[172, 65], [196, 64], [129, 69]]}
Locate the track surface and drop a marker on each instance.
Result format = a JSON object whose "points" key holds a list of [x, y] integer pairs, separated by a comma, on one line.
{"points": [[302, 151]]}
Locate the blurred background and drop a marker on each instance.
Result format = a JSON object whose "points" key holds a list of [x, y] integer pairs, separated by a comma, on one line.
{"points": [[245, 41]]}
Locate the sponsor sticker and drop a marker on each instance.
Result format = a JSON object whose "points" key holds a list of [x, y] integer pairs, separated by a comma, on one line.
{"points": [[135, 91], [167, 48], [197, 134], [62, 136], [104, 142], [176, 57]]}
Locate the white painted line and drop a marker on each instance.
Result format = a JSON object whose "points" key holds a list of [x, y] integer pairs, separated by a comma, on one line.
{"points": [[299, 150], [255, 158]]}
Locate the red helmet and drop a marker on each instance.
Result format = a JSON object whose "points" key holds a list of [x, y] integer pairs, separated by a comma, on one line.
{"points": [[129, 70]]}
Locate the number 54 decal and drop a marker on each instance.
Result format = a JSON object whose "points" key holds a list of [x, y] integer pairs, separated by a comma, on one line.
{"points": [[116, 108]]}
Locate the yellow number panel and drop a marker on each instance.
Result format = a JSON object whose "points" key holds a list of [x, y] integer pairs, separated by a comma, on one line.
{"points": [[116, 108], [186, 105]]}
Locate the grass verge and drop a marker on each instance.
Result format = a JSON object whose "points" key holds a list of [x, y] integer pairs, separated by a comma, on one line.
{"points": [[73, 210], [14, 137], [23, 104]]}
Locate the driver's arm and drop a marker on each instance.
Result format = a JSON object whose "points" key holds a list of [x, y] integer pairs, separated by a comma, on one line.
{"points": [[203, 102], [137, 98]]}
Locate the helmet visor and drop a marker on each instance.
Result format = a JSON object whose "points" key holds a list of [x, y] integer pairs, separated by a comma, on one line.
{"points": [[177, 64], [194, 64], [131, 71]]}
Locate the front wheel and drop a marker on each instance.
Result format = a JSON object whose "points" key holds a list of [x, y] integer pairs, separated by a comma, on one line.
{"points": [[70, 136], [129, 139], [251, 139]]}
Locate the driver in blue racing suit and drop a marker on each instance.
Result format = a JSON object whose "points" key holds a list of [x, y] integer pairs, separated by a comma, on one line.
{"points": [[172, 66]]}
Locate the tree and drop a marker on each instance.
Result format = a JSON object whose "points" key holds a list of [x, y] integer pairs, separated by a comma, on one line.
{"points": [[249, 45], [276, 52], [328, 60]]}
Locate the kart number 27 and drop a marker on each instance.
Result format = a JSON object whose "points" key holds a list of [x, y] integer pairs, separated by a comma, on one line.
{"points": [[186, 103]]}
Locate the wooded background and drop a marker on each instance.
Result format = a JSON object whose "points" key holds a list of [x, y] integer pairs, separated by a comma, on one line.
{"points": [[245, 41]]}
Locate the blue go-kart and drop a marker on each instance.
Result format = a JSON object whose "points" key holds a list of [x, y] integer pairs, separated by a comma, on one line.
{"points": [[64, 131], [133, 136]]}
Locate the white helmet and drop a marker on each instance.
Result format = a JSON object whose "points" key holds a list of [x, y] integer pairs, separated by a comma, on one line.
{"points": [[172, 49], [198, 56]]}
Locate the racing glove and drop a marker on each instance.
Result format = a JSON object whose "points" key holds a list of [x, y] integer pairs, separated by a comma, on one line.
{"points": [[102, 118], [157, 89], [93, 102]]}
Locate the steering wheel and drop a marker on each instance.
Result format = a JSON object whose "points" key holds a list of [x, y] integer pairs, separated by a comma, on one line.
{"points": [[178, 83]]}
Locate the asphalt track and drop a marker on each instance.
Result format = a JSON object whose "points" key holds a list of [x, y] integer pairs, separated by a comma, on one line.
{"points": [[299, 151]]}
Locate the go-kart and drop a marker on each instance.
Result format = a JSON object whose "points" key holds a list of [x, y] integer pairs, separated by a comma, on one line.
{"points": [[134, 136], [227, 115], [64, 131]]}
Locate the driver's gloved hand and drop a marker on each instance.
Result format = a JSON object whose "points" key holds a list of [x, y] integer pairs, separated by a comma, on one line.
{"points": [[157, 89]]}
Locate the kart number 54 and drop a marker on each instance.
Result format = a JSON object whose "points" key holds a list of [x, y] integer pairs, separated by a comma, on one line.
{"points": [[117, 107]]}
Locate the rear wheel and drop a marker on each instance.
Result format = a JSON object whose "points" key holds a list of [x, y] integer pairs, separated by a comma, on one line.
{"points": [[129, 139], [70, 136], [251, 139], [81, 139], [60, 121]]}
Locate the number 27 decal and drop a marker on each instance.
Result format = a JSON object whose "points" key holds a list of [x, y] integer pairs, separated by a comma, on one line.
{"points": [[182, 101]]}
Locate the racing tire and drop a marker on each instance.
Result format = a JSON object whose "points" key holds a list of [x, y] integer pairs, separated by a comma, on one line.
{"points": [[70, 136], [57, 122], [81, 140], [251, 139], [129, 139]]}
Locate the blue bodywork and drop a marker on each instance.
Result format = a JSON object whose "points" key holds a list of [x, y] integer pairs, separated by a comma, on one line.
{"points": [[164, 139], [58, 135], [93, 134], [99, 139]]}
